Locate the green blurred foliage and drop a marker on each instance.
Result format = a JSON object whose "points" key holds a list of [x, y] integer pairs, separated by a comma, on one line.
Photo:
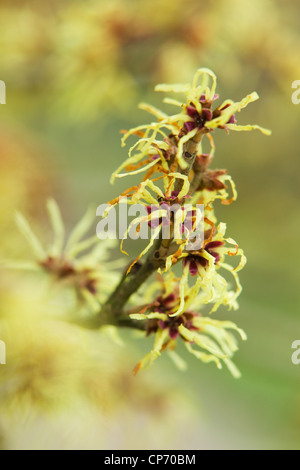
{"points": [[74, 73]]}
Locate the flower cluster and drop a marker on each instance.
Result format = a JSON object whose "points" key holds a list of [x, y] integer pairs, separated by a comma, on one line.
{"points": [[161, 143], [76, 263], [187, 247], [207, 339], [177, 171]]}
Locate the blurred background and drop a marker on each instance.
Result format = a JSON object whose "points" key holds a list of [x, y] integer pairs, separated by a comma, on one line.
{"points": [[75, 72]]}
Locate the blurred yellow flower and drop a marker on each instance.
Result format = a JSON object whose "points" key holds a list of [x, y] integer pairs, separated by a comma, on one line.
{"points": [[82, 265]]}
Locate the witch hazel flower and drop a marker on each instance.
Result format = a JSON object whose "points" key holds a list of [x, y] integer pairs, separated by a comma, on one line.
{"points": [[200, 112], [205, 266], [164, 207], [166, 204], [152, 152], [199, 119], [210, 341], [196, 260], [76, 263]]}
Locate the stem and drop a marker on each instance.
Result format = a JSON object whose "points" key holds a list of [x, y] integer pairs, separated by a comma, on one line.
{"points": [[130, 284]]}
